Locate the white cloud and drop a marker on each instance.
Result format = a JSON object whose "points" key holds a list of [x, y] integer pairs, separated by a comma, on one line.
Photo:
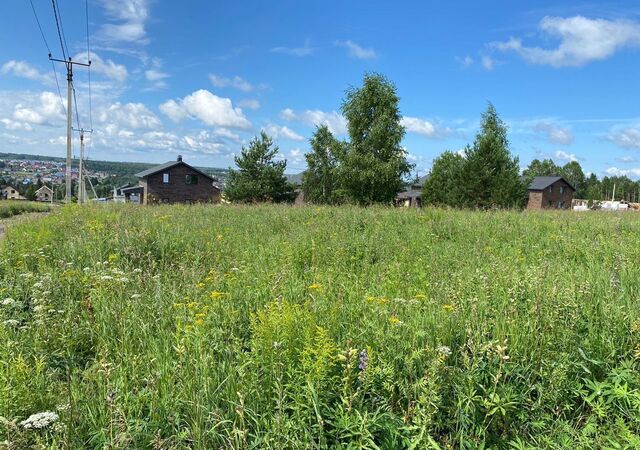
{"points": [[208, 108], [487, 63], [626, 137], [626, 159], [314, 117], [554, 133], [235, 82], [249, 104], [227, 134], [24, 70], [582, 40], [616, 172], [108, 68], [15, 125], [154, 75], [47, 109], [129, 115], [283, 132], [295, 153], [130, 15], [424, 127], [294, 51], [356, 51], [564, 156], [465, 62]]}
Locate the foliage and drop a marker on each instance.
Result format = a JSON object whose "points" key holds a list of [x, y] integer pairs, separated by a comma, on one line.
{"points": [[331, 327], [259, 177], [320, 180], [10, 208], [444, 184], [375, 164], [571, 171]]}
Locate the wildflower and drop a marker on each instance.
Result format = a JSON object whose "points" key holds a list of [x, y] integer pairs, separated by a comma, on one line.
{"points": [[191, 305], [199, 322], [8, 302], [178, 305], [10, 323], [314, 286], [200, 315], [448, 307], [421, 296], [137, 270], [219, 237], [393, 320], [277, 345], [444, 350], [200, 285], [363, 360], [39, 420], [216, 294], [106, 277]]}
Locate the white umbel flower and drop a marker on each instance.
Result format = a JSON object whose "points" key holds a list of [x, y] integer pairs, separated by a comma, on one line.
{"points": [[39, 420]]}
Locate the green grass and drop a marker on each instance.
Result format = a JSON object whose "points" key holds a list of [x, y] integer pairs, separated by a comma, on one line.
{"points": [[9, 208], [248, 327]]}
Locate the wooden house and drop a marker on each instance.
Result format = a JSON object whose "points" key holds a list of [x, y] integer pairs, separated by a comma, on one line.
{"points": [[44, 194], [174, 182], [550, 193]]}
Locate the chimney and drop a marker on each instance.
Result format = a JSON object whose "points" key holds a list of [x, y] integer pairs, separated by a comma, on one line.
{"points": [[179, 158]]}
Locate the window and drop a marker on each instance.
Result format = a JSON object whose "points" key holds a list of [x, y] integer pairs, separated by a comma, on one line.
{"points": [[191, 179], [165, 178], [562, 189], [551, 188]]}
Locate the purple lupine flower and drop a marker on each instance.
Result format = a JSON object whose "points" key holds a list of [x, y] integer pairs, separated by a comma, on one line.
{"points": [[364, 360]]}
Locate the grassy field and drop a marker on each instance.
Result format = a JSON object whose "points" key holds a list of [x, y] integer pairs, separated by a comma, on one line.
{"points": [[9, 208], [277, 327]]}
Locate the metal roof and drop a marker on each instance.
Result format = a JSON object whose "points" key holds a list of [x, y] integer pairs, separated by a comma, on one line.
{"points": [[170, 165], [541, 183], [414, 193]]}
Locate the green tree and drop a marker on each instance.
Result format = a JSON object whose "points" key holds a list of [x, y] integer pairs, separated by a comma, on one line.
{"points": [[572, 172], [320, 180], [443, 186], [544, 168], [491, 175], [375, 164], [259, 177]]}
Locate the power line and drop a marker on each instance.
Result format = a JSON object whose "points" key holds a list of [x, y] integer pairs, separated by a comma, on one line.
{"points": [[86, 11], [39, 26], [55, 74], [61, 36], [75, 104]]}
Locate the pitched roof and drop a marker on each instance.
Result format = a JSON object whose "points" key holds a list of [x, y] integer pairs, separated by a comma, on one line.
{"points": [[413, 193], [541, 183], [169, 165], [45, 187]]}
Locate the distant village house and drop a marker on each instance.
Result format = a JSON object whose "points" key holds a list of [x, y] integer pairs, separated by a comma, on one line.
{"points": [[44, 194], [10, 193], [173, 182], [550, 193], [412, 197]]}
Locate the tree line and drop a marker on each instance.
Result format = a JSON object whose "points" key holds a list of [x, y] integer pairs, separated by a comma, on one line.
{"points": [[371, 166]]}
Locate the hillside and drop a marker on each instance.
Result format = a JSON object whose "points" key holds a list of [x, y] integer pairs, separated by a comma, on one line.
{"points": [[278, 327]]}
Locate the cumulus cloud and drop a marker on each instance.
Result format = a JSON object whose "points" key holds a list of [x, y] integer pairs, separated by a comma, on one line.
{"points": [[356, 51], [46, 109], [24, 70], [581, 41], [554, 133], [487, 63], [294, 51], [616, 172], [208, 108], [628, 137], [424, 127], [234, 82], [15, 125], [565, 157], [283, 132], [626, 159], [249, 104], [130, 17], [106, 67], [129, 115], [314, 117]]}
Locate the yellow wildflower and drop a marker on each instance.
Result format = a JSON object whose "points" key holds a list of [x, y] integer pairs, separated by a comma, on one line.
{"points": [[191, 305], [113, 257], [447, 307], [219, 237], [200, 315], [393, 320], [315, 286], [216, 294], [421, 296], [199, 322], [200, 285], [178, 305]]}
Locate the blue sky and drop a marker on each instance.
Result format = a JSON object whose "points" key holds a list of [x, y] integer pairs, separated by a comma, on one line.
{"points": [[200, 78]]}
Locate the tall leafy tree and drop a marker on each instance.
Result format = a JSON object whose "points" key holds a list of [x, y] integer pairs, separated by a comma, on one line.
{"points": [[544, 168], [259, 177], [443, 186], [375, 164], [491, 175], [572, 172], [320, 180]]}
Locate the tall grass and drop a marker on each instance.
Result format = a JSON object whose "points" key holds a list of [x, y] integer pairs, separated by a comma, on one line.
{"points": [[277, 327], [9, 208]]}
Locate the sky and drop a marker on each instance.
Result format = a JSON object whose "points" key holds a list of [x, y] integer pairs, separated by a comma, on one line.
{"points": [[201, 78]]}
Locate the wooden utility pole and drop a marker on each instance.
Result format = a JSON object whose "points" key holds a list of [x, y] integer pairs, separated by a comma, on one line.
{"points": [[69, 64], [82, 192]]}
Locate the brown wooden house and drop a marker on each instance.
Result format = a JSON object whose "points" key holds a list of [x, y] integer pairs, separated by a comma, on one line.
{"points": [[550, 193], [173, 182]]}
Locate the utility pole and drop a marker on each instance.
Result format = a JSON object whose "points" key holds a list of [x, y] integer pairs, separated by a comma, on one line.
{"points": [[69, 64], [82, 193]]}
